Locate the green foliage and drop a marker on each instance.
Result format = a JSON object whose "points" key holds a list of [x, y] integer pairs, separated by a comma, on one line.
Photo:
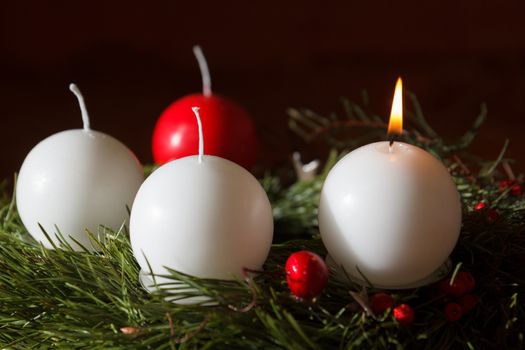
{"points": [[81, 300], [334, 129]]}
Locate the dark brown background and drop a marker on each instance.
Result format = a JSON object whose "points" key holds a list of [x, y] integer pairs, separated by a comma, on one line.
{"points": [[131, 61]]}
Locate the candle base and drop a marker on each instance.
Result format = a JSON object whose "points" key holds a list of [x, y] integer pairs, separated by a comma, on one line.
{"points": [[147, 282], [435, 276]]}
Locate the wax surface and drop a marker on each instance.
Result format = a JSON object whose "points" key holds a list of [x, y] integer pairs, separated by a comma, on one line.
{"points": [[208, 219], [77, 180], [396, 215]]}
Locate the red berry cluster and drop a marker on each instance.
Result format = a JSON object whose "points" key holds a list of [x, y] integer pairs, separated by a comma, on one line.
{"points": [[380, 302], [490, 213], [516, 189], [459, 291]]}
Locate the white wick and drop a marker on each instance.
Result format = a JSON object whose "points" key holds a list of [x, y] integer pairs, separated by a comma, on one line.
{"points": [[85, 116], [205, 72], [201, 139]]}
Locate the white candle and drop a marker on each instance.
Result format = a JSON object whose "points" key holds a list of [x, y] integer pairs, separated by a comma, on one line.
{"points": [[76, 180], [390, 213], [201, 215]]}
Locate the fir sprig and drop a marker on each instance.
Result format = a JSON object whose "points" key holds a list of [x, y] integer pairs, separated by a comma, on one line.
{"points": [[78, 300], [333, 129]]}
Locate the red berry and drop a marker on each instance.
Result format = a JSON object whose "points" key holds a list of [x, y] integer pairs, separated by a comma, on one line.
{"points": [[468, 281], [516, 190], [468, 302], [480, 206], [453, 312], [456, 289], [381, 302], [504, 184], [306, 274], [492, 215], [404, 314], [443, 287]]}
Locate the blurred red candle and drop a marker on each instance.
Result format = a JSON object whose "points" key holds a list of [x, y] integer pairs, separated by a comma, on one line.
{"points": [[227, 128]]}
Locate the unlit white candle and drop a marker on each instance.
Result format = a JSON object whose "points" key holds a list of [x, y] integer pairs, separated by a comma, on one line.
{"points": [[77, 180], [209, 219]]}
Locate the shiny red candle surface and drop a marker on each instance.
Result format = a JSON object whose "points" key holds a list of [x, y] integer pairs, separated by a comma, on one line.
{"points": [[227, 128]]}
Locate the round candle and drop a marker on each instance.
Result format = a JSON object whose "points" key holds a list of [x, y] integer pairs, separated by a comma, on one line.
{"points": [[201, 215], [389, 214], [76, 180], [226, 126]]}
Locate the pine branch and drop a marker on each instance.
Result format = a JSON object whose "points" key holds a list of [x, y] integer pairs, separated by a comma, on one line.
{"points": [[78, 300]]}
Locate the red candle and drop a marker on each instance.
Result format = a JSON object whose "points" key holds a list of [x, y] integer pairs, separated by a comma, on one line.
{"points": [[227, 128]]}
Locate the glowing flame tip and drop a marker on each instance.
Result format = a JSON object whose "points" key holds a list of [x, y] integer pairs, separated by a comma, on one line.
{"points": [[395, 125]]}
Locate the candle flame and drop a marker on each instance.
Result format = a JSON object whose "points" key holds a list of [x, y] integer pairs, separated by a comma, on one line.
{"points": [[395, 125]]}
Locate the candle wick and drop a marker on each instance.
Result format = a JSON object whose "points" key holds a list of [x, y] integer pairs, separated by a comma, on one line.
{"points": [[391, 139], [205, 72], [201, 138], [83, 110]]}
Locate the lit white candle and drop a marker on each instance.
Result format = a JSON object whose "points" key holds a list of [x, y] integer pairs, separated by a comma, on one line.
{"points": [[390, 212], [76, 180], [201, 215]]}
